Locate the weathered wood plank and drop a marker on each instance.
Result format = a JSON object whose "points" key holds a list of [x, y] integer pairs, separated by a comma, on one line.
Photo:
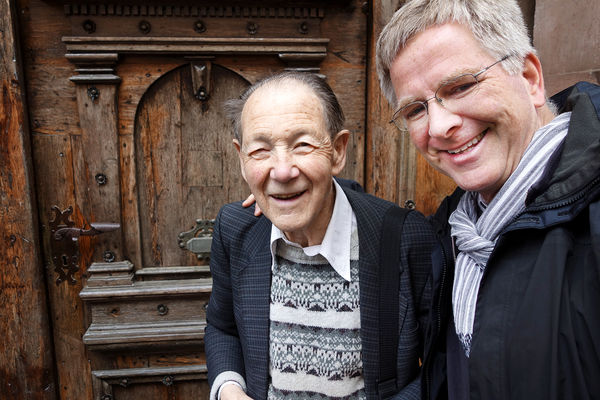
{"points": [[50, 95], [158, 159], [96, 164], [129, 202], [346, 69], [26, 362], [390, 157], [54, 168]]}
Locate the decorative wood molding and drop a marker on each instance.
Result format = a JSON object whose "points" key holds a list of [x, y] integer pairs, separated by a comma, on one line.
{"points": [[129, 336], [110, 274], [96, 57], [149, 272], [147, 289], [104, 380], [128, 314], [134, 10], [309, 47], [94, 67]]}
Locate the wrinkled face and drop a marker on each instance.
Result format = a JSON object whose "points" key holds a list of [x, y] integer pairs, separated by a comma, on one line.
{"points": [[288, 159], [478, 146]]}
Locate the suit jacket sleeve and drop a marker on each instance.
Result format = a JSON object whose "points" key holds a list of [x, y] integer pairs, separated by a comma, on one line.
{"points": [[222, 342], [418, 240]]}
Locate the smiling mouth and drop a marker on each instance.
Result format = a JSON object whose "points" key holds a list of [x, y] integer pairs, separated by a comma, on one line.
{"points": [[470, 144], [288, 196]]}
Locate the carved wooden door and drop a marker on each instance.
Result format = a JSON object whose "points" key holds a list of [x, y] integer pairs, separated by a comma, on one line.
{"points": [[133, 159], [180, 169], [162, 174]]}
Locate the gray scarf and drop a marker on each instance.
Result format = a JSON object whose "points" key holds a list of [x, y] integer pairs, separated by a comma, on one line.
{"points": [[476, 237]]}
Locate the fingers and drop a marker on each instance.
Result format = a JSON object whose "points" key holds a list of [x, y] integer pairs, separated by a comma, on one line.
{"points": [[249, 201]]}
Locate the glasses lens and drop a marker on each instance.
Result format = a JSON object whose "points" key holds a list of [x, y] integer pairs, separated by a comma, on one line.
{"points": [[457, 88], [413, 111]]}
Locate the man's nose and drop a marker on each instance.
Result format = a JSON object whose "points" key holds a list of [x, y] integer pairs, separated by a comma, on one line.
{"points": [[284, 168], [442, 121]]}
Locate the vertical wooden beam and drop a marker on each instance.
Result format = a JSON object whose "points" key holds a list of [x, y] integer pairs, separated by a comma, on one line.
{"points": [[391, 158], [26, 362], [96, 151]]}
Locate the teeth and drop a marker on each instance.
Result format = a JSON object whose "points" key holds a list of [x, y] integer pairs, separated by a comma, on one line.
{"points": [[285, 196], [471, 143]]}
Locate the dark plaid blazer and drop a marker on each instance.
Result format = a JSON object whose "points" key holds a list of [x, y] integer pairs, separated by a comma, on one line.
{"points": [[237, 332]]}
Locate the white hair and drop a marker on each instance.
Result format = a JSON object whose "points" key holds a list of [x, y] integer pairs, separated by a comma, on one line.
{"points": [[497, 25]]}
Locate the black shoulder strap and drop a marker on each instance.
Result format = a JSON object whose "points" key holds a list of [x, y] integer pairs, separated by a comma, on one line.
{"points": [[389, 278]]}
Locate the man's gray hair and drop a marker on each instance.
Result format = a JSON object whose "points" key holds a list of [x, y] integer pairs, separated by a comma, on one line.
{"points": [[497, 25], [332, 111]]}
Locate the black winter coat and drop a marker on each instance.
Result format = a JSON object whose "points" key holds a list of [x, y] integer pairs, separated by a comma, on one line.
{"points": [[537, 325]]}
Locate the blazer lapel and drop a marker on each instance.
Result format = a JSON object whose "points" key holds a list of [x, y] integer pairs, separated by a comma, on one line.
{"points": [[369, 228], [255, 289]]}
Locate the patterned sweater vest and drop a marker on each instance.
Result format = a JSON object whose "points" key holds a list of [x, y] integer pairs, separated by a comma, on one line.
{"points": [[315, 346]]}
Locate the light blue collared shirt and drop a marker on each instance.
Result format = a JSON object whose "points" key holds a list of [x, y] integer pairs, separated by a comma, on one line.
{"points": [[335, 247]]}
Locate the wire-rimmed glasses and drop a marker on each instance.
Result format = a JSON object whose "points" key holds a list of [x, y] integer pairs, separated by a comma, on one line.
{"points": [[452, 94]]}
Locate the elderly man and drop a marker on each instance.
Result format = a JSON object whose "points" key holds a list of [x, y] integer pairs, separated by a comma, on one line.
{"points": [[517, 289], [307, 302]]}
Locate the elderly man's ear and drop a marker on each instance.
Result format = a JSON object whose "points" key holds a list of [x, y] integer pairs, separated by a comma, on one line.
{"points": [[340, 144], [238, 147]]}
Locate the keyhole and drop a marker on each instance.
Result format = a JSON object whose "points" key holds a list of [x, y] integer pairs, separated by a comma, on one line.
{"points": [[65, 260]]}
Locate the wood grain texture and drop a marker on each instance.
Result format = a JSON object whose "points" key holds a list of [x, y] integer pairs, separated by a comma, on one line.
{"points": [[26, 362], [186, 165], [390, 158], [346, 70], [96, 153], [54, 166]]}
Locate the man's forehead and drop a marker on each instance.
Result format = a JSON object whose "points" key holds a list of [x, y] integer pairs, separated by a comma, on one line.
{"points": [[287, 97], [435, 56], [279, 113]]}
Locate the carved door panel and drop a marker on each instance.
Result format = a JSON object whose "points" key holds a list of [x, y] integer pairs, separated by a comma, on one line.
{"points": [[150, 307], [186, 165], [163, 175]]}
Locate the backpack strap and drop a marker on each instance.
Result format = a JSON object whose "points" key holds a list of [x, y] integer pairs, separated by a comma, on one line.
{"points": [[389, 282]]}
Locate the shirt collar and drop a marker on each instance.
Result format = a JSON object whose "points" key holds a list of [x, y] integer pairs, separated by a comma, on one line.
{"points": [[335, 247]]}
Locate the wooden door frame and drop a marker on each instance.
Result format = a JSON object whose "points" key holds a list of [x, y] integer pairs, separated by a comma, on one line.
{"points": [[26, 353]]}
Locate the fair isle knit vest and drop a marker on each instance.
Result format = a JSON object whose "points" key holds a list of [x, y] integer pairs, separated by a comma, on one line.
{"points": [[315, 346]]}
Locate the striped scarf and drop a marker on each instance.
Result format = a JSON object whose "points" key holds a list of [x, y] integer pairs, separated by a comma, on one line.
{"points": [[476, 237]]}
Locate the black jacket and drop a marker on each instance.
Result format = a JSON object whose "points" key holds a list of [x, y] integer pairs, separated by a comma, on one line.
{"points": [[536, 333]]}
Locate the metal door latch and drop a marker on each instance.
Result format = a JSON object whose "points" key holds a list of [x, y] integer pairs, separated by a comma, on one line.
{"points": [[199, 239], [64, 242]]}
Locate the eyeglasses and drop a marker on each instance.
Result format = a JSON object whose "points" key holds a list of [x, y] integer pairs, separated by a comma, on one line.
{"points": [[453, 95]]}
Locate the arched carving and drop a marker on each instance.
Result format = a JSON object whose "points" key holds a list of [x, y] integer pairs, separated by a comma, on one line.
{"points": [[186, 166]]}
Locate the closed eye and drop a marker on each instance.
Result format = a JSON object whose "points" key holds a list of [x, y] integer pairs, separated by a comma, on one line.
{"points": [[259, 154], [303, 147]]}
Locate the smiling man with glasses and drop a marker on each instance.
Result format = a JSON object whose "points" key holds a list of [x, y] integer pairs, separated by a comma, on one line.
{"points": [[517, 279]]}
